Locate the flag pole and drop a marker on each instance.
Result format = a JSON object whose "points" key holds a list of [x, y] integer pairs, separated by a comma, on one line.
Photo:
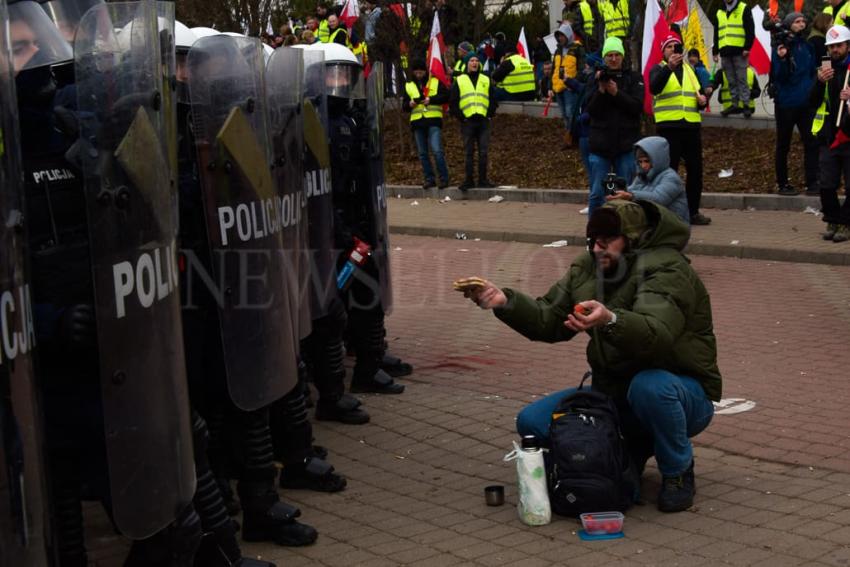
{"points": [[841, 108]]}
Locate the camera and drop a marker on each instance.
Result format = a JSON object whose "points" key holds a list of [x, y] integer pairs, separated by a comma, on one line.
{"points": [[608, 74], [613, 183], [781, 35]]}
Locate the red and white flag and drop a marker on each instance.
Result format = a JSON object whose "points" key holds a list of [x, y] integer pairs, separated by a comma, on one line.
{"points": [[760, 51], [522, 45], [655, 29], [435, 53], [350, 13]]}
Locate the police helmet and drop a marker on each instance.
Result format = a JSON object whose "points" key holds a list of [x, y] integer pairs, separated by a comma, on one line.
{"points": [[36, 41], [343, 72]]}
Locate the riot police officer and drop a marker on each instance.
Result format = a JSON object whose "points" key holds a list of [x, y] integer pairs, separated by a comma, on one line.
{"points": [[360, 210], [95, 378]]}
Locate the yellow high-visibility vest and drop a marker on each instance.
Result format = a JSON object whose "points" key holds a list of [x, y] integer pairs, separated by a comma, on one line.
{"points": [[421, 111], [616, 16], [474, 100], [730, 30], [820, 115], [336, 32], [586, 17], [678, 101], [521, 79], [324, 32], [725, 97]]}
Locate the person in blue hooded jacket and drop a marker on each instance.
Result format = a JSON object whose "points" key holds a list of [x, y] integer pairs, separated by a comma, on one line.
{"points": [[793, 70], [655, 180]]}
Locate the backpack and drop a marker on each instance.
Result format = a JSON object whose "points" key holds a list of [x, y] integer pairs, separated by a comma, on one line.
{"points": [[589, 467]]}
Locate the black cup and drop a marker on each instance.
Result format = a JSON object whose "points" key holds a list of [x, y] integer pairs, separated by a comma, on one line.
{"points": [[494, 495]]}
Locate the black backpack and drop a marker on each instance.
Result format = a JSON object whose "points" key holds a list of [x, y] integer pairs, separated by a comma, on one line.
{"points": [[589, 467]]}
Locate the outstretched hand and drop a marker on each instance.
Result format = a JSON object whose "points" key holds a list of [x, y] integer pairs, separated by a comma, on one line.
{"points": [[483, 293]]}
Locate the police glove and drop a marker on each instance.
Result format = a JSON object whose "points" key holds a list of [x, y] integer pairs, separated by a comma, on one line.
{"points": [[77, 326]]}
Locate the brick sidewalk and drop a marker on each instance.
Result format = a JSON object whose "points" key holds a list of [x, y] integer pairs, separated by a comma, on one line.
{"points": [[773, 482], [766, 235]]}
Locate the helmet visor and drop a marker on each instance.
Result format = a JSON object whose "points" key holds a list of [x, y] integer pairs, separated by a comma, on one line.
{"points": [[66, 14], [35, 41], [345, 81]]}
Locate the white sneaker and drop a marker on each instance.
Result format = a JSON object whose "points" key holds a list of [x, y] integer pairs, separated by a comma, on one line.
{"points": [[584, 211]]}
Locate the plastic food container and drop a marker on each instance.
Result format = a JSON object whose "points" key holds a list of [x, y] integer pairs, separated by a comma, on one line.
{"points": [[600, 523]]}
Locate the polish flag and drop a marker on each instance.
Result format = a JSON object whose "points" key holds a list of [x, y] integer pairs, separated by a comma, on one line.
{"points": [[522, 45], [435, 53], [655, 29], [350, 13], [760, 52]]}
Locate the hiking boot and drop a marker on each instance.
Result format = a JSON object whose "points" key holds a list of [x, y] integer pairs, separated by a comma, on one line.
{"points": [[485, 184], [465, 186], [428, 184], [842, 234], [748, 112], [677, 492], [727, 111], [831, 229], [700, 219], [443, 184], [787, 189]]}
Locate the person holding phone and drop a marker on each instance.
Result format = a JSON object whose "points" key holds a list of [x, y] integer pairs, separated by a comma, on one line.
{"points": [[678, 98], [793, 72]]}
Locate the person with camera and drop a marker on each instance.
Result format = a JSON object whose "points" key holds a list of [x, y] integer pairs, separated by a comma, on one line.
{"points": [[678, 98], [652, 347], [656, 181], [793, 69], [829, 99], [423, 99], [734, 34], [614, 106]]}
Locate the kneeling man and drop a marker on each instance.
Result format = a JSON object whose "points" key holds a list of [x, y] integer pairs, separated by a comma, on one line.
{"points": [[652, 346]]}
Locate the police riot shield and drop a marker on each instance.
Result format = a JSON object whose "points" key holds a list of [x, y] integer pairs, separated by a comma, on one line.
{"points": [[130, 189], [246, 215], [284, 88], [377, 189], [320, 288], [23, 512]]}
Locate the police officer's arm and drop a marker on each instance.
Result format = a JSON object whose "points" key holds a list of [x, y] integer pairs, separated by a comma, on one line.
{"points": [[503, 70], [658, 77], [656, 319], [540, 319]]}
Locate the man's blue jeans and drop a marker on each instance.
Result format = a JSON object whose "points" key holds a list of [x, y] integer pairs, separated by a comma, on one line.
{"points": [[431, 137], [566, 103], [672, 408], [623, 165]]}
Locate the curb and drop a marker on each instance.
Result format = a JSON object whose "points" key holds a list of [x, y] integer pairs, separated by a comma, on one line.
{"points": [[758, 202], [694, 248]]}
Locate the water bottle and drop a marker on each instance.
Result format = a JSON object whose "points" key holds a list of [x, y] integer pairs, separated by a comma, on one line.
{"points": [[533, 507]]}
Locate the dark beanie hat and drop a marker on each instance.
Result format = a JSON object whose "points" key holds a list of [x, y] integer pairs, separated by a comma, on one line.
{"points": [[418, 65], [604, 222], [789, 19]]}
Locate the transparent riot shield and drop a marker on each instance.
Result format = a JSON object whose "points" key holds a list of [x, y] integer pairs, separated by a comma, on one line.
{"points": [[377, 193], [23, 512], [320, 288], [130, 201], [285, 87], [246, 215]]}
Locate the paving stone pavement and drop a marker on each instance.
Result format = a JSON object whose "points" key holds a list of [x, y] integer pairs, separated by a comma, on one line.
{"points": [[773, 482], [791, 236]]}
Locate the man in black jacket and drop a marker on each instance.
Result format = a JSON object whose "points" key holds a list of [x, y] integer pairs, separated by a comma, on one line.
{"points": [[615, 107], [827, 96]]}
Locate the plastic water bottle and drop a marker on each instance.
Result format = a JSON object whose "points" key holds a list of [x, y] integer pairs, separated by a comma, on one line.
{"points": [[533, 507]]}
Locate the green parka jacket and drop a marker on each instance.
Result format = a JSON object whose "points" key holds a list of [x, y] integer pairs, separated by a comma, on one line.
{"points": [[663, 309]]}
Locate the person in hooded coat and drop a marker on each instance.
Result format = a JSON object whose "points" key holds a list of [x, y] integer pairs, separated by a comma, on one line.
{"points": [[567, 63], [655, 180]]}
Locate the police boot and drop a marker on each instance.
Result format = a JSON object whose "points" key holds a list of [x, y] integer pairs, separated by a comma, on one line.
{"points": [[174, 546], [378, 383], [368, 338], [344, 409], [396, 367], [266, 518], [311, 474], [69, 529]]}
